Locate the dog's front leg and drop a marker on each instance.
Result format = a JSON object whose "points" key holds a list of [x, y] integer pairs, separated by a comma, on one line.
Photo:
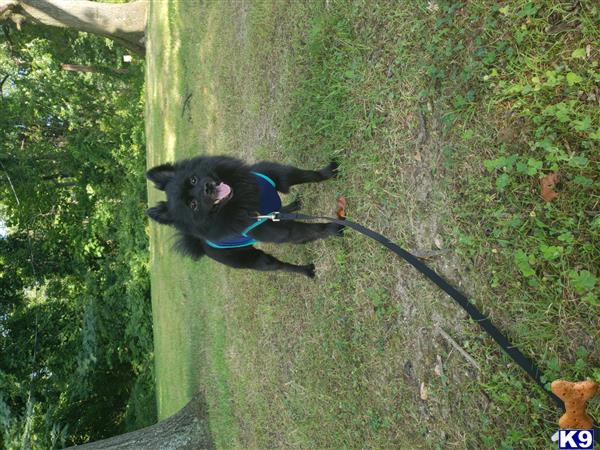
{"points": [[252, 258], [287, 176], [294, 232]]}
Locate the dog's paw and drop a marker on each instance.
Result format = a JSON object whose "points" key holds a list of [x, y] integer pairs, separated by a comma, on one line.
{"points": [[331, 171], [309, 270]]}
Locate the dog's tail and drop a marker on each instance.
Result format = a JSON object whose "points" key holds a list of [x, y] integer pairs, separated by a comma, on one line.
{"points": [[189, 246]]}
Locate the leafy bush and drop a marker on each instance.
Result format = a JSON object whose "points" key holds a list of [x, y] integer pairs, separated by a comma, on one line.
{"points": [[76, 344]]}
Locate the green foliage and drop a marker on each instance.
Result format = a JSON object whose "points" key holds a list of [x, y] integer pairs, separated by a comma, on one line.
{"points": [[536, 79], [523, 263], [76, 346], [583, 281]]}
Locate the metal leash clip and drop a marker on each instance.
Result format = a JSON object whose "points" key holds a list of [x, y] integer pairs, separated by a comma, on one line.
{"points": [[274, 216]]}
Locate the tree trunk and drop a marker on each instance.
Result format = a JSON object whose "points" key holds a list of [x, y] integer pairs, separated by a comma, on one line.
{"points": [[187, 429], [122, 22]]}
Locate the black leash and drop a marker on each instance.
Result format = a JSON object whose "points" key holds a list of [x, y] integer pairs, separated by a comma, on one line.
{"points": [[525, 363]]}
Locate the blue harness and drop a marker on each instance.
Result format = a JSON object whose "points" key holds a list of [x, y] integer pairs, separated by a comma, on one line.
{"points": [[269, 202]]}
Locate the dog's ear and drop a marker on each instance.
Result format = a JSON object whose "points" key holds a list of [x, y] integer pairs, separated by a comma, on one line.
{"points": [[161, 175], [160, 213]]}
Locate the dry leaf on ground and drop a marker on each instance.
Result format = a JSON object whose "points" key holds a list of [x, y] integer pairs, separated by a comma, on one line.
{"points": [[341, 208], [423, 392], [548, 183]]}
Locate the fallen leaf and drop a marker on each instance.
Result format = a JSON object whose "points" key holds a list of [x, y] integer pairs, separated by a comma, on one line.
{"points": [[433, 6], [341, 208], [438, 368], [548, 183], [423, 391]]}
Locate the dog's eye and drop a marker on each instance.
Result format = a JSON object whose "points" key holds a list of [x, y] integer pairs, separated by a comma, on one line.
{"points": [[193, 180], [194, 205]]}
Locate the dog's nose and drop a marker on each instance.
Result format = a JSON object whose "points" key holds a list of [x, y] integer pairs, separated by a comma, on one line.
{"points": [[210, 187]]}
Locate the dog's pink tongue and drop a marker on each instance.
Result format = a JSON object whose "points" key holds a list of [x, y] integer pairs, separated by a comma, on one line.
{"points": [[222, 191]]}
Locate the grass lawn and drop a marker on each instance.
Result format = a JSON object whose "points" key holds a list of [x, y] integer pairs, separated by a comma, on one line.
{"points": [[445, 120]]}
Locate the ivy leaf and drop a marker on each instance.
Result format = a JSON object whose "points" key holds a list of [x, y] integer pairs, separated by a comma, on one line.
{"points": [[562, 112], [582, 352], [578, 161], [502, 181], [459, 101], [546, 144], [583, 125], [522, 261], [583, 181], [573, 79], [580, 365], [582, 281], [468, 135], [533, 166], [552, 81], [553, 364], [550, 252], [528, 10], [591, 299], [566, 237], [493, 164]]}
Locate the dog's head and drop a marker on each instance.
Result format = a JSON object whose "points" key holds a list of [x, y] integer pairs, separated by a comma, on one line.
{"points": [[207, 197]]}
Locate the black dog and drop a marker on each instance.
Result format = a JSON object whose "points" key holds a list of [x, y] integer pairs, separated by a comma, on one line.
{"points": [[213, 202]]}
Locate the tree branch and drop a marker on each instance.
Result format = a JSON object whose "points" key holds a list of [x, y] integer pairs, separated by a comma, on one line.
{"points": [[18, 19], [2, 85]]}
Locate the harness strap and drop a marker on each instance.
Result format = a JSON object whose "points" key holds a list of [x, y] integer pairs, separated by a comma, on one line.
{"points": [[269, 202], [484, 322]]}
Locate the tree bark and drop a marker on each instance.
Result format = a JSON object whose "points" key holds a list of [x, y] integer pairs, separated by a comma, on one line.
{"points": [[187, 430], [122, 22]]}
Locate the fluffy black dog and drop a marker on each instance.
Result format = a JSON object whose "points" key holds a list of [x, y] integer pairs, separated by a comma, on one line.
{"points": [[213, 202]]}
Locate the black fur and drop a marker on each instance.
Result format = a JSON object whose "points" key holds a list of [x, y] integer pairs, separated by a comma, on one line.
{"points": [[191, 187]]}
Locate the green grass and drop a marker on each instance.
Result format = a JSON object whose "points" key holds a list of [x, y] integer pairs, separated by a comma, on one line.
{"points": [[441, 144]]}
